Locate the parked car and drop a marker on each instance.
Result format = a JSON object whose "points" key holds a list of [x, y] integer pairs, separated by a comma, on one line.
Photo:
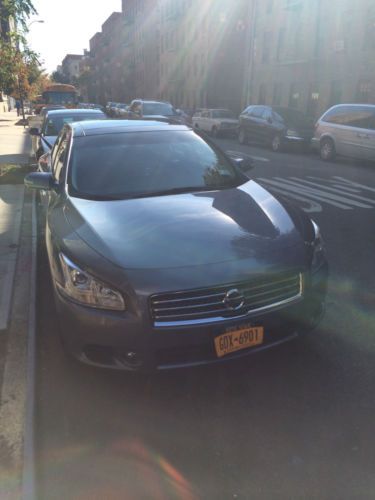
{"points": [[140, 109], [110, 108], [275, 126], [216, 122], [121, 110], [347, 130], [164, 254], [54, 122]]}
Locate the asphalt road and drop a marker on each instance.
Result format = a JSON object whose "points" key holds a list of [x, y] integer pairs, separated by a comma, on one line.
{"points": [[296, 422]]}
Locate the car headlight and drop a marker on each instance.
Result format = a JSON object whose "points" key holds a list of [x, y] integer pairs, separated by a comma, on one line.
{"points": [[292, 133], [83, 288], [318, 249]]}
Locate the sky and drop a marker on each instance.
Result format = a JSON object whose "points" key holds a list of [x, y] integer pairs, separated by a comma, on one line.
{"points": [[67, 28]]}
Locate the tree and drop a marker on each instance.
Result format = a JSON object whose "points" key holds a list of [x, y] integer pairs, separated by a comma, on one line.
{"points": [[17, 60], [59, 77]]}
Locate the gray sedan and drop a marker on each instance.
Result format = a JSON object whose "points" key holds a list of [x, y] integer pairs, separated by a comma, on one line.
{"points": [[164, 254]]}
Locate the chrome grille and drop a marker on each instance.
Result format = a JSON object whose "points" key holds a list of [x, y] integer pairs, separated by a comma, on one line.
{"points": [[218, 303]]}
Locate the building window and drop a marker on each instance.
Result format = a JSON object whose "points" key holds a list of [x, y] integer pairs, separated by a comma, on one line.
{"points": [[267, 39], [294, 96], [364, 91], [369, 31], [269, 6], [280, 44], [262, 94], [313, 101], [277, 94], [336, 93]]}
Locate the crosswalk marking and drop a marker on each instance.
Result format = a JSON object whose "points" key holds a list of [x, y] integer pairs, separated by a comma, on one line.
{"points": [[315, 192], [334, 190]]}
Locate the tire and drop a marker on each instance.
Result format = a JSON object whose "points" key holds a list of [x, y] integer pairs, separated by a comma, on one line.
{"points": [[215, 132], [276, 144], [327, 150], [242, 138]]}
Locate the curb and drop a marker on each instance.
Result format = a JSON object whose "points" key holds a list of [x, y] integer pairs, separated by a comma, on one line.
{"points": [[28, 473]]}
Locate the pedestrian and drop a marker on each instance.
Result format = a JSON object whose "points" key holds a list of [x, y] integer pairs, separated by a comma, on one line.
{"points": [[18, 107]]}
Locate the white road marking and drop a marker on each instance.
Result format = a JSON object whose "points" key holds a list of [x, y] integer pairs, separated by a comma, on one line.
{"points": [[313, 207], [241, 154], [314, 194], [330, 196], [335, 191], [355, 184]]}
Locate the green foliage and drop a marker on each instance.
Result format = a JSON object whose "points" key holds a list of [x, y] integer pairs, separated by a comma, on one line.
{"points": [[59, 77], [19, 10], [19, 66]]}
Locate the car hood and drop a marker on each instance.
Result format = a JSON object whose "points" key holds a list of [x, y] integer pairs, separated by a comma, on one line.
{"points": [[189, 229]]}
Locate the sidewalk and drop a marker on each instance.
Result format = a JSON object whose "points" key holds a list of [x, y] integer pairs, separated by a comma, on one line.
{"points": [[17, 296]]}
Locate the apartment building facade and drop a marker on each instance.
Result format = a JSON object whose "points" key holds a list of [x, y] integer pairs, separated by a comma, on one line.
{"points": [[311, 54], [189, 52]]}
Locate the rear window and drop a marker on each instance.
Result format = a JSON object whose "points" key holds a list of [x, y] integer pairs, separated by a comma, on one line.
{"points": [[158, 108], [54, 124]]}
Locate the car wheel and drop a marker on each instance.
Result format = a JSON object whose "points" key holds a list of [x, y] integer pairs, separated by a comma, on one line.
{"points": [[215, 132], [327, 150], [242, 139], [276, 144]]}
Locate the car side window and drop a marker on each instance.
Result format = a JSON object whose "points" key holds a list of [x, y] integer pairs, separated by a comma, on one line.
{"points": [[267, 114], [58, 164], [257, 111], [353, 116], [340, 115]]}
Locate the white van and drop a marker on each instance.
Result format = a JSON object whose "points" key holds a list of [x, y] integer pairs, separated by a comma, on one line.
{"points": [[347, 130]]}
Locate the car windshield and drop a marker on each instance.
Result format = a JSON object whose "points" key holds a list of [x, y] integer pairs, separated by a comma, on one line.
{"points": [[222, 113], [54, 124], [158, 108], [131, 165]]}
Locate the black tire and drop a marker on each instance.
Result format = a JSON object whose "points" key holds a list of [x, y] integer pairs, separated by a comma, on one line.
{"points": [[276, 144], [242, 137], [327, 149]]}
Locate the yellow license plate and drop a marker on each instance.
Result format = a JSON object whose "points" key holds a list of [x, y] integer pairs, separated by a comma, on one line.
{"points": [[238, 339]]}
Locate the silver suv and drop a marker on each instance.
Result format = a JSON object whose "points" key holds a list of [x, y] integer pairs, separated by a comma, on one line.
{"points": [[347, 130]]}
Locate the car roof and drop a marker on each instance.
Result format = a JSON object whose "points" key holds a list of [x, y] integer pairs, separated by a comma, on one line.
{"points": [[102, 127], [72, 112]]}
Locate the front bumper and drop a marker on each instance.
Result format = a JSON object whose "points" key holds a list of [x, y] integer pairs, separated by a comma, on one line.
{"points": [[131, 342]]}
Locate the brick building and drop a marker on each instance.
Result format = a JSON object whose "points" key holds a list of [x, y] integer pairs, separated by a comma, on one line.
{"points": [[70, 66], [311, 54], [201, 52]]}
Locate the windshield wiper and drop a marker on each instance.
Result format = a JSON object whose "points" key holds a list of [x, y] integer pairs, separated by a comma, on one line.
{"points": [[179, 190]]}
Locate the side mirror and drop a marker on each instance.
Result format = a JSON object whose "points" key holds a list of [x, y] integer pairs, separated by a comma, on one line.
{"points": [[244, 164], [34, 131], [39, 180], [269, 119]]}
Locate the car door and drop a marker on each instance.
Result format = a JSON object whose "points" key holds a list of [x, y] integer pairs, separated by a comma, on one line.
{"points": [[256, 122], [244, 119], [364, 122], [339, 124], [204, 120], [267, 127]]}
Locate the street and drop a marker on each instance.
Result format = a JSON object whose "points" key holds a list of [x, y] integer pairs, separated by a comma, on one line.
{"points": [[293, 422]]}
